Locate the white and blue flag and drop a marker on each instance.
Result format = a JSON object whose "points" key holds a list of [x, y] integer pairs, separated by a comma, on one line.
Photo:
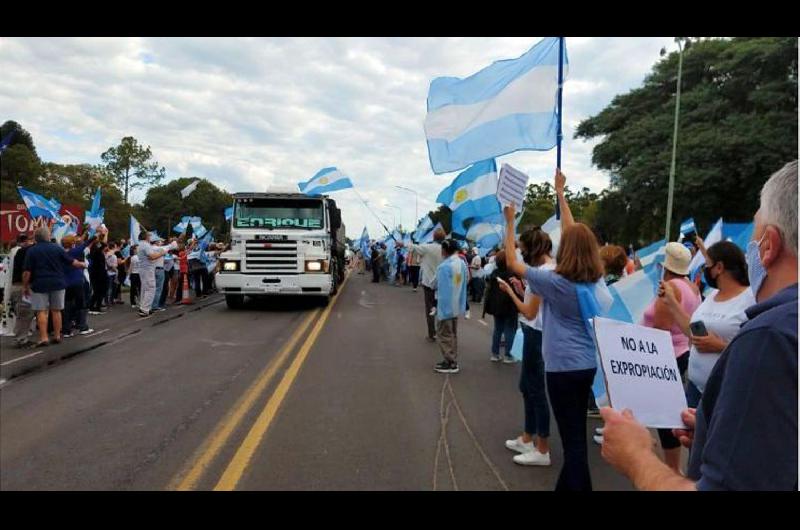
{"points": [[135, 229], [472, 195], [38, 206], [714, 236], [228, 213], [185, 222], [428, 238], [185, 192], [508, 106], [424, 226], [94, 217], [325, 181], [451, 288], [687, 227], [61, 229]]}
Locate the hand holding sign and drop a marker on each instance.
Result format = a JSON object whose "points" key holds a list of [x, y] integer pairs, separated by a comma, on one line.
{"points": [[511, 186]]}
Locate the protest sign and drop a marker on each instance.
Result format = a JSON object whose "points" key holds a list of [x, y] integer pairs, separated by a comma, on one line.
{"points": [[511, 187], [641, 372]]}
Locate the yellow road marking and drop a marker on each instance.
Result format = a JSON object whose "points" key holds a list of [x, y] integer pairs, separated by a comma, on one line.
{"points": [[233, 473], [188, 480]]}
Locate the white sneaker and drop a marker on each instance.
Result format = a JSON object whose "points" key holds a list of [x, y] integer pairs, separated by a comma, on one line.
{"points": [[598, 439], [533, 458], [494, 358], [519, 446], [599, 430], [467, 315], [87, 331]]}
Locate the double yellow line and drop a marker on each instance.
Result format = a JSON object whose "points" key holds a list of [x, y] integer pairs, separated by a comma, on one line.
{"points": [[194, 471]]}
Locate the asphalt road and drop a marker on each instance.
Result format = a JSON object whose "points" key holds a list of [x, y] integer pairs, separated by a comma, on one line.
{"points": [[281, 395]]}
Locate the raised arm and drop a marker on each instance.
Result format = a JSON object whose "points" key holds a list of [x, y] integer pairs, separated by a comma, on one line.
{"points": [[514, 265], [566, 214]]}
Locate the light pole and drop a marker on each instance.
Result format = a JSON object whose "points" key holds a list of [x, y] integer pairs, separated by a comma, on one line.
{"points": [[678, 40], [416, 200], [399, 210]]}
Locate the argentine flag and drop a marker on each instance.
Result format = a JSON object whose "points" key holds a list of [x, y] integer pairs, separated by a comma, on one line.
{"points": [[451, 288], [687, 227], [38, 206], [428, 238], [506, 107], [135, 229], [472, 195], [424, 226], [229, 213], [325, 181], [94, 217]]}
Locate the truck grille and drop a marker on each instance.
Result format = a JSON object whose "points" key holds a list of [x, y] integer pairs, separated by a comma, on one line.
{"points": [[271, 257]]}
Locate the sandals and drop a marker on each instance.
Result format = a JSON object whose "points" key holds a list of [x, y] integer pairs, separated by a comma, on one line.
{"points": [[41, 344]]}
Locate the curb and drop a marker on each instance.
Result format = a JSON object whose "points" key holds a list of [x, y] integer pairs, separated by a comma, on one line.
{"points": [[43, 361]]}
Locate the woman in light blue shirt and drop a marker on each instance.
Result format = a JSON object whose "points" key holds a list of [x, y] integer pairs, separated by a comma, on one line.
{"points": [[567, 347]]}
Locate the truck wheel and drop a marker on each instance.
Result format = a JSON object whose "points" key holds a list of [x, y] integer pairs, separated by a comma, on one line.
{"points": [[324, 300], [234, 301]]}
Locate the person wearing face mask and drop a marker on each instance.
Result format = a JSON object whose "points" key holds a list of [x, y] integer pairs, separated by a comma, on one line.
{"points": [[722, 313], [743, 434]]}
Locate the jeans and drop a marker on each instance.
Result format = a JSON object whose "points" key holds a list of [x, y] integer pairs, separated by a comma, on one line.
{"points": [[478, 285], [74, 304], [136, 286], [507, 326], [162, 299], [569, 392], [532, 384], [413, 273], [430, 303], [99, 290], [111, 289], [668, 440], [693, 395], [159, 288]]}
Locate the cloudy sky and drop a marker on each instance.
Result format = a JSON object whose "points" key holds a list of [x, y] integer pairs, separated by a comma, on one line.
{"points": [[246, 113]]}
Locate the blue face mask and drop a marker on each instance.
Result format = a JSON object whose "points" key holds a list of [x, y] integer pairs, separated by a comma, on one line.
{"points": [[755, 269]]}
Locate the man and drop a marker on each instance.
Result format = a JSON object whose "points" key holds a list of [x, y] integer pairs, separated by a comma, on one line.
{"points": [[20, 303], [476, 266], [160, 275], [430, 256], [451, 285], [148, 256], [75, 303], [743, 435], [376, 263], [43, 281]]}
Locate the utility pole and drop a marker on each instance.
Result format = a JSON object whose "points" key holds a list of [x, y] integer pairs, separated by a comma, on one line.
{"points": [[678, 40]]}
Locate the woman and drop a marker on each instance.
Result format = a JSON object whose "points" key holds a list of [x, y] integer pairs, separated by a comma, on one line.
{"points": [[111, 272], [536, 248], [567, 346], [658, 315], [98, 276], [500, 304], [722, 313]]}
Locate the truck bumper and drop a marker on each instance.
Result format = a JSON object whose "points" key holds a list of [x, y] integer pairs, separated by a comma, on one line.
{"points": [[258, 284]]}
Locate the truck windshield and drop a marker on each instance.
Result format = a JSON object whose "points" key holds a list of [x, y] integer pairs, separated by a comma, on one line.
{"points": [[279, 213]]}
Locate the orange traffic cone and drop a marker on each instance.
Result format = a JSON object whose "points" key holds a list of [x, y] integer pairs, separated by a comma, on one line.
{"points": [[187, 297]]}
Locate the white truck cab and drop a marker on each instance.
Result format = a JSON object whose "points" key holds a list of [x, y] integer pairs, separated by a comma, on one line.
{"points": [[282, 243]]}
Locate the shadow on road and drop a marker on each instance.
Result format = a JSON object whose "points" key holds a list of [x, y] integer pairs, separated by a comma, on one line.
{"points": [[280, 304]]}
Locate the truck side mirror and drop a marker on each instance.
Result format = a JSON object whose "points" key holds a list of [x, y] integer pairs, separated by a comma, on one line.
{"points": [[336, 218]]}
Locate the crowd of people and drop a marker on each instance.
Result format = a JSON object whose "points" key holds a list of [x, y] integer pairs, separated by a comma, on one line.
{"points": [[62, 284], [733, 329]]}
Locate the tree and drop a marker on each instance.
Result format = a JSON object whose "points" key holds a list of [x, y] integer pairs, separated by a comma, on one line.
{"points": [[163, 206], [738, 124], [132, 166], [20, 165]]}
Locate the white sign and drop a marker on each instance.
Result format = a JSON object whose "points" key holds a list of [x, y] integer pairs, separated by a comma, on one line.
{"points": [[511, 186], [641, 372]]}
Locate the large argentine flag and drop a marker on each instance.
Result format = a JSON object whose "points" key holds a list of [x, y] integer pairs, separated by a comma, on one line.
{"points": [[94, 217], [506, 107], [38, 206], [325, 181], [472, 195], [135, 229]]}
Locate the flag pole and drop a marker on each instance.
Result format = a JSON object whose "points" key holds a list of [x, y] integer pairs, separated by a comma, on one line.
{"points": [[373, 213], [560, 89]]}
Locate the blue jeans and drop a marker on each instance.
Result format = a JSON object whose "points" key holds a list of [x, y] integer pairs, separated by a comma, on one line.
{"points": [[693, 395], [159, 287], [504, 326], [569, 393], [532, 384]]}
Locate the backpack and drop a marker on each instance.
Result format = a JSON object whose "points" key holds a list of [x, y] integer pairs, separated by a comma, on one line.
{"points": [[498, 303]]}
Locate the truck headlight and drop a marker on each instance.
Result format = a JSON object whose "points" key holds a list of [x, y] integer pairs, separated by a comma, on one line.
{"points": [[318, 265], [230, 266]]}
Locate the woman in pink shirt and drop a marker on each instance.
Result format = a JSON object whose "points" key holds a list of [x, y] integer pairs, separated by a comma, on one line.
{"points": [[658, 315]]}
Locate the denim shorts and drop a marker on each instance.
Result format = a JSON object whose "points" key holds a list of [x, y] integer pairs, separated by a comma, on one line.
{"points": [[53, 300]]}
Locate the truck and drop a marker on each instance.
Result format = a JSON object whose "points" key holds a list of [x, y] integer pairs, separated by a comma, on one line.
{"points": [[282, 243]]}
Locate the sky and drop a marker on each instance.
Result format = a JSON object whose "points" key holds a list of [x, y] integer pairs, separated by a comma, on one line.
{"points": [[250, 113]]}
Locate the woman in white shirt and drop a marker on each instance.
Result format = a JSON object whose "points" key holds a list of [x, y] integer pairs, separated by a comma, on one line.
{"points": [[533, 444], [722, 312]]}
